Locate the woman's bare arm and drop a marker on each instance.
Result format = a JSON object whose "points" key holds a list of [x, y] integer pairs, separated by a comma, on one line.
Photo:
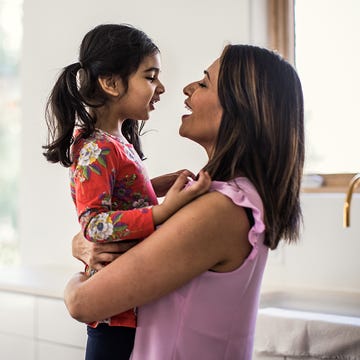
{"points": [[209, 233]]}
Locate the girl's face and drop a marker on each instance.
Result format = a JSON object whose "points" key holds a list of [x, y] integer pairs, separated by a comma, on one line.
{"points": [[144, 89], [203, 122]]}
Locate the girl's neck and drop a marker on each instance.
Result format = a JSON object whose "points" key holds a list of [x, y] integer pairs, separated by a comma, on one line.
{"points": [[105, 121], [113, 130]]}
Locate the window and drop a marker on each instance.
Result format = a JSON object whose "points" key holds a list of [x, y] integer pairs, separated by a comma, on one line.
{"points": [[10, 49], [327, 58], [327, 54]]}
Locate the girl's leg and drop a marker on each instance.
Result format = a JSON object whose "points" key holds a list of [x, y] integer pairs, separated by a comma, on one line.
{"points": [[109, 342]]}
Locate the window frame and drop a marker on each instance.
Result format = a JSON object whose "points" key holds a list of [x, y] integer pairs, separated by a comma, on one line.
{"points": [[281, 38]]}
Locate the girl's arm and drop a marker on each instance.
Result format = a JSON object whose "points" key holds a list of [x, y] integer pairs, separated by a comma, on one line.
{"points": [[209, 233], [180, 194], [97, 255], [104, 173], [106, 226], [163, 183]]}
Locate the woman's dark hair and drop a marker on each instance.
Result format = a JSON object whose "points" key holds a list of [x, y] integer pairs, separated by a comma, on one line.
{"points": [[261, 135], [106, 50]]}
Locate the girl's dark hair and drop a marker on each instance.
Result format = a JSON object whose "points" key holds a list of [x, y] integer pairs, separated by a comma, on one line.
{"points": [[110, 49], [261, 135]]}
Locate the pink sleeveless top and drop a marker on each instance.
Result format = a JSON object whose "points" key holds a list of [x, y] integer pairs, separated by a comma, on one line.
{"points": [[213, 316]]}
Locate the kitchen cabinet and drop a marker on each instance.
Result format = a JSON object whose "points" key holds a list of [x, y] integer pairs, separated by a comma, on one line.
{"points": [[34, 322]]}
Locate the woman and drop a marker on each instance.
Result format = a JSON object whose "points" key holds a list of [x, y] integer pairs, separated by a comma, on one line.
{"points": [[197, 278]]}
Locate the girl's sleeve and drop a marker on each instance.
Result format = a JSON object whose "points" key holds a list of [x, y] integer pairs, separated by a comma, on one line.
{"points": [[93, 181]]}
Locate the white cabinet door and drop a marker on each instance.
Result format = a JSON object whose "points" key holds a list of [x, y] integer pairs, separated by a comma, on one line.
{"points": [[17, 314], [14, 347], [57, 326], [47, 351]]}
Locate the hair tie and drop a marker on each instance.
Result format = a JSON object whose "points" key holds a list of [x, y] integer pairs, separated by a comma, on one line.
{"points": [[81, 64]]}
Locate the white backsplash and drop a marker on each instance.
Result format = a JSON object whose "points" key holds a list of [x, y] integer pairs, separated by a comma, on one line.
{"points": [[327, 257]]}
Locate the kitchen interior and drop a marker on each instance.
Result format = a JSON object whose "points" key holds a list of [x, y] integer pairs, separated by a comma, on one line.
{"points": [[310, 299]]}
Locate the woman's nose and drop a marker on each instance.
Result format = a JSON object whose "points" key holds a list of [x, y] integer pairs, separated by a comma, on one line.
{"points": [[189, 89]]}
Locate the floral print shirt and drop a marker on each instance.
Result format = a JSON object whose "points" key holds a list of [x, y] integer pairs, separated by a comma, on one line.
{"points": [[111, 189], [112, 194]]}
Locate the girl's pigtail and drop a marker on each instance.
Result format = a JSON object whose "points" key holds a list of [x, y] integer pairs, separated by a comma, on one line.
{"points": [[64, 105]]}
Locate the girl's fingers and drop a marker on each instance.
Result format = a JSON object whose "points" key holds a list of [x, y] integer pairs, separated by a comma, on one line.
{"points": [[181, 180], [202, 184], [185, 180], [189, 173]]}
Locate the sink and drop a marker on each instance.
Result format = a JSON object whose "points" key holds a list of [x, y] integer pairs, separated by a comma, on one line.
{"points": [[309, 324], [318, 301]]}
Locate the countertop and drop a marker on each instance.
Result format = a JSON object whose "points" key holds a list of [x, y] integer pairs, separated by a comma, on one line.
{"points": [[47, 281]]}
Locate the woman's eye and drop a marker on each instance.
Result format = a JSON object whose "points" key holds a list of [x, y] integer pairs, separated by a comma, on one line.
{"points": [[152, 79], [201, 84]]}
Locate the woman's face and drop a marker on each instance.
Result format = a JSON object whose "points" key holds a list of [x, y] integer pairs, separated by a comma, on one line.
{"points": [[203, 121]]}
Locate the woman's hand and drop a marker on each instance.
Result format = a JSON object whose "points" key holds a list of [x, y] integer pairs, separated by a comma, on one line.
{"points": [[163, 183], [96, 256]]}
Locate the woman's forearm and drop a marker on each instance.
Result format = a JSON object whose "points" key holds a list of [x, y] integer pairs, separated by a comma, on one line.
{"points": [[73, 298]]}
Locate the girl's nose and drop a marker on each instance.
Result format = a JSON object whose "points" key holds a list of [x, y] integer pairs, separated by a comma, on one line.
{"points": [[161, 88]]}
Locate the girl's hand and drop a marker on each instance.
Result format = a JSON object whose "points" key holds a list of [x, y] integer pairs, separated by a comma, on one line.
{"points": [[96, 256], [163, 183], [184, 190]]}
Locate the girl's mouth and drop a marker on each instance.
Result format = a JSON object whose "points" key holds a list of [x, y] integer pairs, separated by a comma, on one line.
{"points": [[152, 103]]}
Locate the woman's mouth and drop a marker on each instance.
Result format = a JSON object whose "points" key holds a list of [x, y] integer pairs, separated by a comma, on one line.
{"points": [[189, 110]]}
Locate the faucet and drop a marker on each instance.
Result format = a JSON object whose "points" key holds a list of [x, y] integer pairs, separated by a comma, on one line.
{"points": [[352, 185]]}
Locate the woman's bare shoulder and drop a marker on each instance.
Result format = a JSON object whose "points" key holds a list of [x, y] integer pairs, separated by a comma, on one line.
{"points": [[217, 223], [215, 206]]}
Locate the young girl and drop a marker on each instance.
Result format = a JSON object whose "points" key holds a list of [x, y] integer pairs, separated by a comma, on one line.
{"points": [[91, 117]]}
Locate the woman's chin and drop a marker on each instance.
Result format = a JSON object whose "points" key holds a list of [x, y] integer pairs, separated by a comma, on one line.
{"points": [[182, 133]]}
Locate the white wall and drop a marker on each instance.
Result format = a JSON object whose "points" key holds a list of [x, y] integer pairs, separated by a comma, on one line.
{"points": [[190, 34]]}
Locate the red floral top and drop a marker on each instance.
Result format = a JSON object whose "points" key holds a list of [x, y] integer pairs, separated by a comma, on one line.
{"points": [[112, 193]]}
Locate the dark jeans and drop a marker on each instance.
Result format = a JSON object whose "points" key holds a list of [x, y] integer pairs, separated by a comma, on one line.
{"points": [[109, 342]]}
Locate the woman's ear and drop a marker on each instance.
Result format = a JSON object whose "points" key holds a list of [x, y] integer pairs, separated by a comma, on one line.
{"points": [[111, 85]]}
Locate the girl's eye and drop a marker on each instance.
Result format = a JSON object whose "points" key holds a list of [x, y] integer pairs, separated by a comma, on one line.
{"points": [[152, 79], [201, 84]]}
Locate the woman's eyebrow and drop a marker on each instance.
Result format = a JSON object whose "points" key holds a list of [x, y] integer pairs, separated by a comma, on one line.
{"points": [[207, 74]]}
